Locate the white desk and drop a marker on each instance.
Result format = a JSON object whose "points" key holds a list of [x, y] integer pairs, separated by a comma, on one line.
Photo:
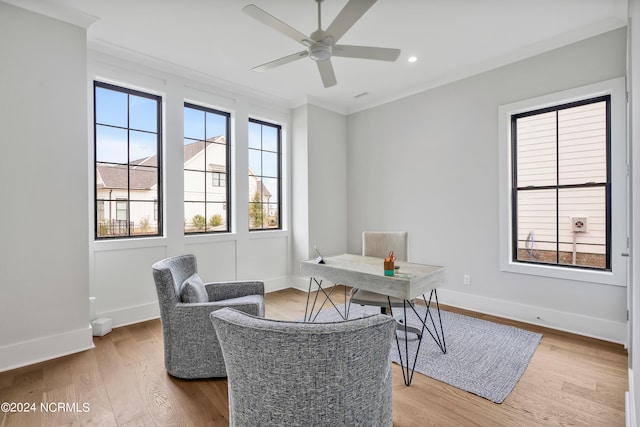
{"points": [[409, 282]]}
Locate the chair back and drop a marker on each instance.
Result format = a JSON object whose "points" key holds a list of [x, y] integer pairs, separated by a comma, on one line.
{"points": [[169, 274], [295, 373], [379, 243]]}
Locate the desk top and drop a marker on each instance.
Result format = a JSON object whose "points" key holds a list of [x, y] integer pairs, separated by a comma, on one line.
{"points": [[410, 280]]}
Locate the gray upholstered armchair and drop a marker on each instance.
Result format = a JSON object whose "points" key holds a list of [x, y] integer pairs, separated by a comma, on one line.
{"points": [[307, 374], [191, 348]]}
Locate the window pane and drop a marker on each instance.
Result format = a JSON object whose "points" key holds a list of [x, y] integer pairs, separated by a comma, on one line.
{"points": [[264, 176], [255, 162], [142, 145], [194, 155], [269, 164], [194, 217], [587, 205], [206, 164], [142, 182], [562, 180], [193, 124], [217, 217], [270, 189], [216, 157], [272, 216], [536, 150], [537, 226], [128, 189], [256, 215], [111, 107], [194, 186], [143, 113], [142, 217], [255, 135], [111, 144], [583, 144], [269, 138], [216, 125]]}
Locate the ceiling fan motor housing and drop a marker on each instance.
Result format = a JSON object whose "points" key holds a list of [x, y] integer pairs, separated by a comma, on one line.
{"points": [[320, 52]]}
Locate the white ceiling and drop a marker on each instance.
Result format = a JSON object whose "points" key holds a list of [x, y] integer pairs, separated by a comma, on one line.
{"points": [[451, 38]]}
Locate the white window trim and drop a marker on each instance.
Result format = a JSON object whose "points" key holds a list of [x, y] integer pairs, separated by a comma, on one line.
{"points": [[618, 274]]}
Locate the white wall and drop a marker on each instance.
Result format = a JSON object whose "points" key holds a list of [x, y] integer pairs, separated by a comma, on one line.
{"points": [[428, 164], [44, 293], [319, 177], [120, 271]]}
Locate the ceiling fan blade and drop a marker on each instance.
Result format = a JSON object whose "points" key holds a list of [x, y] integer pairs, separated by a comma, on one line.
{"points": [[273, 22], [326, 73], [365, 52], [282, 61], [347, 17]]}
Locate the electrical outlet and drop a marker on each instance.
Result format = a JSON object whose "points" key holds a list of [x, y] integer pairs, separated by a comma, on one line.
{"points": [[466, 280]]}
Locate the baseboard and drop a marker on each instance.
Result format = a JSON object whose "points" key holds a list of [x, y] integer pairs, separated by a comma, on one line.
{"points": [[300, 283], [603, 329], [143, 312], [25, 353], [130, 315]]}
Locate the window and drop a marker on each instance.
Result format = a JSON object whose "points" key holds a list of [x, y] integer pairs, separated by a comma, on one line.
{"points": [[206, 168], [264, 175], [563, 167], [127, 159], [560, 187]]}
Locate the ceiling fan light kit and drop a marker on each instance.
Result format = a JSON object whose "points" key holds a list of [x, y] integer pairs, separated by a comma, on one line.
{"points": [[321, 44]]}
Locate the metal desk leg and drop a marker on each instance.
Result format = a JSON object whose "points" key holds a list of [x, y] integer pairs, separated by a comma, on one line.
{"points": [[438, 336], [309, 313]]}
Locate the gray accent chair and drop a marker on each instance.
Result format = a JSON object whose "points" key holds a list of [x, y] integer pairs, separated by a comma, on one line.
{"points": [[191, 348], [307, 374]]}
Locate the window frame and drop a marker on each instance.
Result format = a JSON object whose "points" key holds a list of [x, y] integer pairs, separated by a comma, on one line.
{"points": [[159, 167], [278, 128], [557, 187], [618, 181], [226, 205]]}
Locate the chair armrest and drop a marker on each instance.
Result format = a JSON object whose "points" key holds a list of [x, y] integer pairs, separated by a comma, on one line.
{"points": [[218, 291]]}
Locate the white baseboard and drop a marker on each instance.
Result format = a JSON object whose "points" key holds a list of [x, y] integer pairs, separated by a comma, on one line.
{"points": [[603, 329], [25, 353], [143, 312], [130, 315]]}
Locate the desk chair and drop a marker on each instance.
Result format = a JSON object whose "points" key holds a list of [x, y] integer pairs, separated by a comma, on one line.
{"points": [[378, 244]]}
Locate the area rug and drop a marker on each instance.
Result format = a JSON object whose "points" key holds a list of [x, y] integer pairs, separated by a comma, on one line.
{"points": [[483, 358]]}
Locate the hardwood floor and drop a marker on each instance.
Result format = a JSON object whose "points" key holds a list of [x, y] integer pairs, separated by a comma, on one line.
{"points": [[571, 380]]}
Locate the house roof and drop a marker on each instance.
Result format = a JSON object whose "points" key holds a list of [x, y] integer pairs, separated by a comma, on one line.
{"points": [[144, 171]]}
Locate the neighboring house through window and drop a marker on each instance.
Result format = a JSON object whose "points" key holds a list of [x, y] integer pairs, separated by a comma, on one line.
{"points": [[127, 150], [563, 174], [264, 175], [560, 191], [206, 170]]}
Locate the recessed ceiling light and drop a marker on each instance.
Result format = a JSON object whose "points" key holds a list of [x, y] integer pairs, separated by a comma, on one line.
{"points": [[412, 59]]}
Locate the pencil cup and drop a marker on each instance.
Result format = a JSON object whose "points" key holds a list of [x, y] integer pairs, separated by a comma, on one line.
{"points": [[388, 268]]}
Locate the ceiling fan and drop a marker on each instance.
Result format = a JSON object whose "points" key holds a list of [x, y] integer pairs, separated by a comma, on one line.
{"points": [[321, 44]]}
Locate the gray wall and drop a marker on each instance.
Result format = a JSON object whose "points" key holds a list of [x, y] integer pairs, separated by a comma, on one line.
{"points": [[428, 164], [319, 174], [44, 284]]}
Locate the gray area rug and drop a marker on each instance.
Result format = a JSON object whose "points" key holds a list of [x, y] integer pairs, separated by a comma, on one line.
{"points": [[483, 358]]}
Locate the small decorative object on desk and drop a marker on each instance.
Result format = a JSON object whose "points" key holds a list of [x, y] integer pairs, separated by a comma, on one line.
{"points": [[389, 264]]}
